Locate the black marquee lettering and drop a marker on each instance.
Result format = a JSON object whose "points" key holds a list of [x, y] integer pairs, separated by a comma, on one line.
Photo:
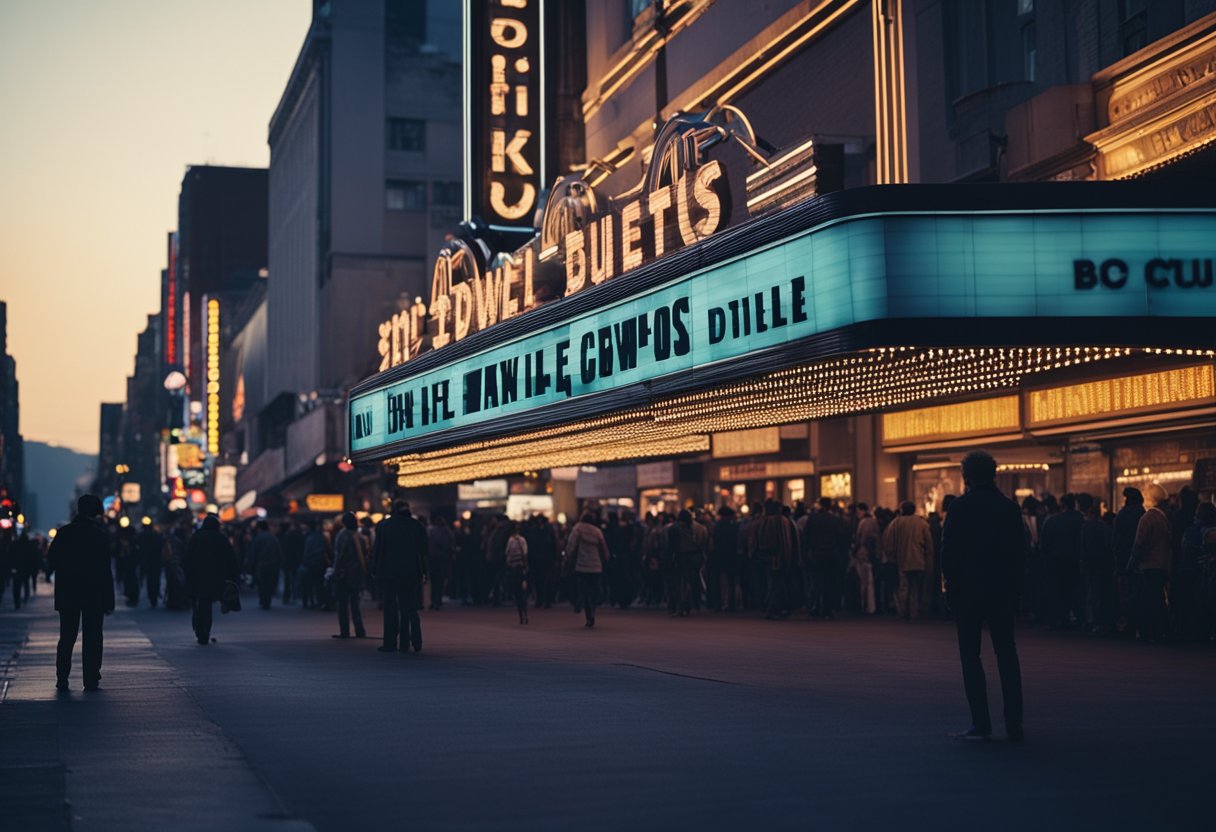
{"points": [[1084, 274], [509, 370], [679, 310], [798, 285], [627, 343], [717, 324], [779, 320], [489, 390], [662, 333], [605, 338], [563, 361], [586, 361], [1153, 273], [1113, 273]]}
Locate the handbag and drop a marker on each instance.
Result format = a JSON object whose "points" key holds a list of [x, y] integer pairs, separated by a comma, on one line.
{"points": [[230, 598]]}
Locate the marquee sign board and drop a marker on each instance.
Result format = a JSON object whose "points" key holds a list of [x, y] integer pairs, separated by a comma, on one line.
{"points": [[863, 268]]}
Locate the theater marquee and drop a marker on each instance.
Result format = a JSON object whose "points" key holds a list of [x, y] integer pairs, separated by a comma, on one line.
{"points": [[863, 268]]}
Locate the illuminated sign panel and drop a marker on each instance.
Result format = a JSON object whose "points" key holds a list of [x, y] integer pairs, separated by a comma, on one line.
{"points": [[1143, 393], [853, 270], [503, 100], [747, 442], [952, 421], [213, 376], [170, 304], [325, 503]]}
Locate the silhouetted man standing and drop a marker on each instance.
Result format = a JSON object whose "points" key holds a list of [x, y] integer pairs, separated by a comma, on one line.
{"points": [[151, 546], [84, 590], [268, 561], [983, 552], [210, 564], [400, 557]]}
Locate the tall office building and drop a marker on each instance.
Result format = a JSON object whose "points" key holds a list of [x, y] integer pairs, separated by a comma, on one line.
{"points": [[221, 216], [365, 161], [12, 452]]}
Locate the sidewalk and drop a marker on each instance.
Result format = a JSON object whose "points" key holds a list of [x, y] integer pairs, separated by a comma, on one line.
{"points": [[138, 754]]}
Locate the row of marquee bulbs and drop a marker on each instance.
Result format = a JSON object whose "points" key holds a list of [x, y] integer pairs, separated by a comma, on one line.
{"points": [[872, 380]]}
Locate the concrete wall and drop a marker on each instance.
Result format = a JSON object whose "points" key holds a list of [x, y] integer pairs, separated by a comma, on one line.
{"points": [[292, 313]]}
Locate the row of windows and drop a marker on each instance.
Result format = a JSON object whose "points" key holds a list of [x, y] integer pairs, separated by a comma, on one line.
{"points": [[410, 195]]}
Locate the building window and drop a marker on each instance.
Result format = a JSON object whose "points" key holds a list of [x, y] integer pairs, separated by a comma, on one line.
{"points": [[1029, 50], [405, 20], [401, 195], [447, 193], [1133, 25], [406, 134]]}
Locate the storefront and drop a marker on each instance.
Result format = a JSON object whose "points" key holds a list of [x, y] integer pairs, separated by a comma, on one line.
{"points": [[1094, 434]]}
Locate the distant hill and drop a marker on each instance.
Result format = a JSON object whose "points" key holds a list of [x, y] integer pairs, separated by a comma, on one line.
{"points": [[50, 477]]}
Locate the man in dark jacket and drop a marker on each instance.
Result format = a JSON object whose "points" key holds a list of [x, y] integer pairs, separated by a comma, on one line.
{"points": [[292, 542], [1123, 539], [441, 549], [400, 558], [821, 544], [84, 590], [983, 553], [210, 563], [1061, 543], [267, 557], [151, 546]]}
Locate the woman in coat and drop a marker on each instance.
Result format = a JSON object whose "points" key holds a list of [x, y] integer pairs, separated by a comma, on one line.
{"points": [[587, 551], [517, 570]]}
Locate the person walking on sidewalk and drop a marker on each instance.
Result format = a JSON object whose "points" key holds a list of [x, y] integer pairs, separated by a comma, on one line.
{"points": [[587, 550], [210, 564], [267, 560], [151, 547], [908, 538], [349, 575], [400, 558], [84, 590], [517, 570], [983, 554]]}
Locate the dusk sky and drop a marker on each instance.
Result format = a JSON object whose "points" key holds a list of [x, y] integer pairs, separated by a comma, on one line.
{"points": [[104, 106]]}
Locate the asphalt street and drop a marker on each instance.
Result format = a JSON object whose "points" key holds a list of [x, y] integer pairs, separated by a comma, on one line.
{"points": [[712, 722]]}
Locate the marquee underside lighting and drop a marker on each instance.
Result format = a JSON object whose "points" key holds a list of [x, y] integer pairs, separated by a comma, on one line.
{"points": [[868, 381]]}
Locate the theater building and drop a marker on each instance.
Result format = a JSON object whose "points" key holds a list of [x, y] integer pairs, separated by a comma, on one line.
{"points": [[814, 249]]}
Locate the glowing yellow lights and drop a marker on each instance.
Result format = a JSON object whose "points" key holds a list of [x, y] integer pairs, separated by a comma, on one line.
{"points": [[1142, 393], [956, 420], [124, 522], [873, 380], [213, 377]]}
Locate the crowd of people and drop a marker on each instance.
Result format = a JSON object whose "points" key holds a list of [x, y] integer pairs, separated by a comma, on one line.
{"points": [[1147, 570]]}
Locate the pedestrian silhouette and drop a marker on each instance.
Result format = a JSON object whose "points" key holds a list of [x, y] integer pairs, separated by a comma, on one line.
{"points": [[349, 575], [84, 590], [210, 566], [400, 558], [983, 552]]}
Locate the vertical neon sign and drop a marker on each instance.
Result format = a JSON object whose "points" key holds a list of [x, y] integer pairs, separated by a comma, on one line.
{"points": [[171, 305], [504, 135], [213, 376]]}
